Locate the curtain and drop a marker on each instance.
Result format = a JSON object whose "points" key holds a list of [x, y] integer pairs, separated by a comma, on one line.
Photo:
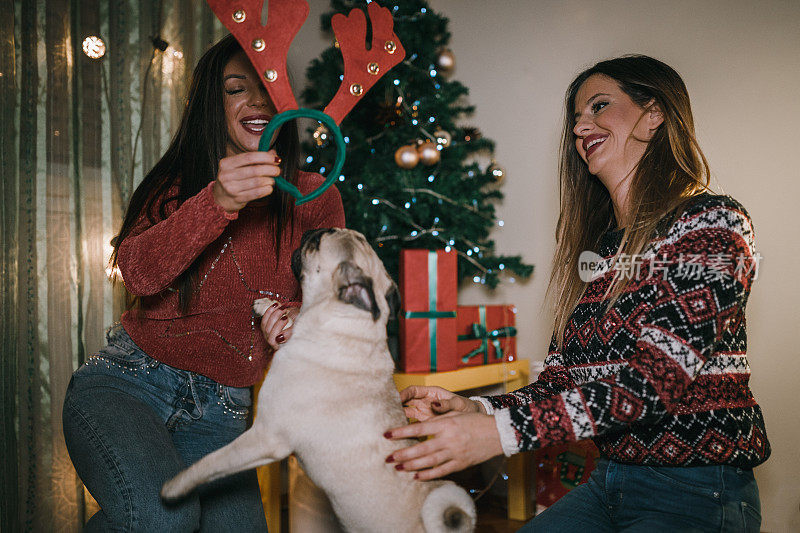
{"points": [[77, 135]]}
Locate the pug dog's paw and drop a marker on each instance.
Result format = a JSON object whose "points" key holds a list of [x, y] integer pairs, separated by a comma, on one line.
{"points": [[261, 305]]}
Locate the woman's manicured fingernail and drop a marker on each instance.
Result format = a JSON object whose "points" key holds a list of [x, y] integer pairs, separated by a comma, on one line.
{"points": [[278, 160], [390, 459], [436, 404], [285, 317], [274, 305], [280, 339], [388, 435], [398, 467]]}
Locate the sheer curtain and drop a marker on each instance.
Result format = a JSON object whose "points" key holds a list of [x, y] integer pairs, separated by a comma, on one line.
{"points": [[76, 135]]}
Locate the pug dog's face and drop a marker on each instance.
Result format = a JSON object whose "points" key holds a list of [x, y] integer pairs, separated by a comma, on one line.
{"points": [[340, 264]]}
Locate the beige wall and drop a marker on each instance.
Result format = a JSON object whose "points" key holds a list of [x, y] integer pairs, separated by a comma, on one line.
{"points": [[741, 63]]}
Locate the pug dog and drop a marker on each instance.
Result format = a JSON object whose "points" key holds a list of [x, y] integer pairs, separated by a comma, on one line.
{"points": [[329, 397]]}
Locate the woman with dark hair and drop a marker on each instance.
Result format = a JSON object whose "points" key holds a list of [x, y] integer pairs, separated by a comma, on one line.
{"points": [[648, 356], [205, 234]]}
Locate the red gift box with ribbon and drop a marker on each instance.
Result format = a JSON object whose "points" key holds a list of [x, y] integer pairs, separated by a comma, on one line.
{"points": [[486, 334], [562, 467], [429, 296]]}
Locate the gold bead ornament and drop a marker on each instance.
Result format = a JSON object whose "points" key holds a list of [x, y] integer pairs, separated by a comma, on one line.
{"points": [[321, 136], [428, 153], [445, 61], [406, 156]]}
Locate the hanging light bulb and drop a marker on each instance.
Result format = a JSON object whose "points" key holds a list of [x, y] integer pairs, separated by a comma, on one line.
{"points": [[94, 47]]}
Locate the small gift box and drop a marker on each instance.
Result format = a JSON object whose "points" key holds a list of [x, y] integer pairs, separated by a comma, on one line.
{"points": [[562, 467], [486, 334], [428, 292]]}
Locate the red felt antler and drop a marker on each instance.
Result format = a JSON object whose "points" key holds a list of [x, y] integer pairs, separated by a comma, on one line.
{"points": [[266, 45], [362, 67]]}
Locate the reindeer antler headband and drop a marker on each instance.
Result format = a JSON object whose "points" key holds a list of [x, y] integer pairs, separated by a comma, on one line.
{"points": [[267, 46]]}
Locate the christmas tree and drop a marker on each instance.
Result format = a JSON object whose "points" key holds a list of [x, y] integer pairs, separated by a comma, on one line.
{"points": [[415, 176]]}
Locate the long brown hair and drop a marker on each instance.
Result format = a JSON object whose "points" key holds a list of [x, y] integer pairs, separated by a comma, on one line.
{"points": [[192, 159], [672, 170]]}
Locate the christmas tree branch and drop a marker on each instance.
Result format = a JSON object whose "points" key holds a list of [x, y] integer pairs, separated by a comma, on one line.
{"points": [[446, 199]]}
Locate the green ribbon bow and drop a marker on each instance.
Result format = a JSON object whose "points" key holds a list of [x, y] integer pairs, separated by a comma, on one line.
{"points": [[478, 331]]}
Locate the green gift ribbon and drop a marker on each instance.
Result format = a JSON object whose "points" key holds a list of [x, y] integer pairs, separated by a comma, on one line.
{"points": [[431, 314], [478, 331]]}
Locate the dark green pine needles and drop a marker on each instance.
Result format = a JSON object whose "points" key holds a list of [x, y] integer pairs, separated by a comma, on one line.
{"points": [[446, 204]]}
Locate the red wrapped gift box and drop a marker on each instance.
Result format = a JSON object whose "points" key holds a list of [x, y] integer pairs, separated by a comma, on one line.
{"points": [[486, 334], [562, 467], [429, 296]]}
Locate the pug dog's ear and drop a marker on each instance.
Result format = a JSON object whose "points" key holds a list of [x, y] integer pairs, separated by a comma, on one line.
{"points": [[355, 288], [297, 264], [393, 301]]}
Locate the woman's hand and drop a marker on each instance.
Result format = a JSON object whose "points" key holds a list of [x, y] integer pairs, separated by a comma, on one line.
{"points": [[245, 177], [458, 440], [423, 403], [274, 320]]}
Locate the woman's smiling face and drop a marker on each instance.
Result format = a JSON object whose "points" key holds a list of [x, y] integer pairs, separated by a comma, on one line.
{"points": [[248, 107], [611, 130]]}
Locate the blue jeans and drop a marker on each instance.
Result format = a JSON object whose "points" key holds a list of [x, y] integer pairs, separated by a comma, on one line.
{"points": [[631, 498], [131, 423]]}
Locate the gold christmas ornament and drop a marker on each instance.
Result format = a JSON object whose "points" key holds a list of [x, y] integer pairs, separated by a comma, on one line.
{"points": [[445, 61], [429, 153], [406, 156], [496, 172], [322, 136], [443, 138]]}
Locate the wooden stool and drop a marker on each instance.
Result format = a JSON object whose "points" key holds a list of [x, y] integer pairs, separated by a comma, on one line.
{"points": [[512, 375]]}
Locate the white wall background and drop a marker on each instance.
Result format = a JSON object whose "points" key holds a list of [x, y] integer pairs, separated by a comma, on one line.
{"points": [[740, 60]]}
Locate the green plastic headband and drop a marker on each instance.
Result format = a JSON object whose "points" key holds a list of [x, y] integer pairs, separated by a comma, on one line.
{"points": [[336, 171]]}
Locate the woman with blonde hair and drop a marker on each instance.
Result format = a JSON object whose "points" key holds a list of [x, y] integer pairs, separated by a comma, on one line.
{"points": [[648, 356]]}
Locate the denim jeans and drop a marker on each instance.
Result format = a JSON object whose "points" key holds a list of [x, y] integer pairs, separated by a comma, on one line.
{"points": [[632, 498], [131, 423]]}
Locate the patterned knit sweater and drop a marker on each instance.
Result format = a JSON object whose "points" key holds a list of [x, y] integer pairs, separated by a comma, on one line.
{"points": [[662, 377], [218, 337]]}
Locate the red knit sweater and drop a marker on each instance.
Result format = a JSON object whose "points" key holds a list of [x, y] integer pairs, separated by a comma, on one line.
{"points": [[218, 337]]}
